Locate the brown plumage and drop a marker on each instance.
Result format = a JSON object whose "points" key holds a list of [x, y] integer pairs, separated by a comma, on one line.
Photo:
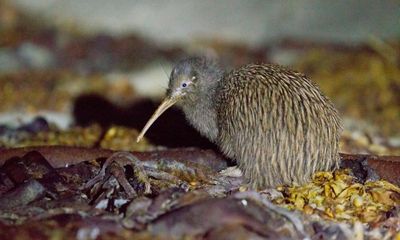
{"points": [[274, 122]]}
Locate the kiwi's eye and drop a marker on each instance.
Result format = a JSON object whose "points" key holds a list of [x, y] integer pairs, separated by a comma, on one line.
{"points": [[184, 85]]}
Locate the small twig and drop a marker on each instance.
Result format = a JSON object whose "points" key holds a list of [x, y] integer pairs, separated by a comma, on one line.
{"points": [[116, 162]]}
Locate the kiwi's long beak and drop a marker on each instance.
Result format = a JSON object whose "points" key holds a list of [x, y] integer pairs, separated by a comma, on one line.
{"points": [[167, 103]]}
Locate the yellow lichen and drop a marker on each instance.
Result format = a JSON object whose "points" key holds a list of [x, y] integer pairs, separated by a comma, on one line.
{"points": [[337, 196]]}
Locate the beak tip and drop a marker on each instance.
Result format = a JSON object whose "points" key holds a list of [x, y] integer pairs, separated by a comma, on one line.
{"points": [[168, 102]]}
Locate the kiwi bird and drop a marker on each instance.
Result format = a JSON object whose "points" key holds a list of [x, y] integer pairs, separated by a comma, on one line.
{"points": [[274, 122]]}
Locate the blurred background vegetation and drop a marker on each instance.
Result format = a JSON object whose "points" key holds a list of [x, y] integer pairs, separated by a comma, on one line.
{"points": [[53, 53]]}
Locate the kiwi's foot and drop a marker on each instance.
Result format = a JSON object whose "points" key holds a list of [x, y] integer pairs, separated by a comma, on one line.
{"points": [[231, 172]]}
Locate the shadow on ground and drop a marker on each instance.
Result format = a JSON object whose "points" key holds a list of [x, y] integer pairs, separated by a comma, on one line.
{"points": [[171, 129]]}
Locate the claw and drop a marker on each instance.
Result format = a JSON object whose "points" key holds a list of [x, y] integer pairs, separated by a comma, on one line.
{"points": [[231, 172]]}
